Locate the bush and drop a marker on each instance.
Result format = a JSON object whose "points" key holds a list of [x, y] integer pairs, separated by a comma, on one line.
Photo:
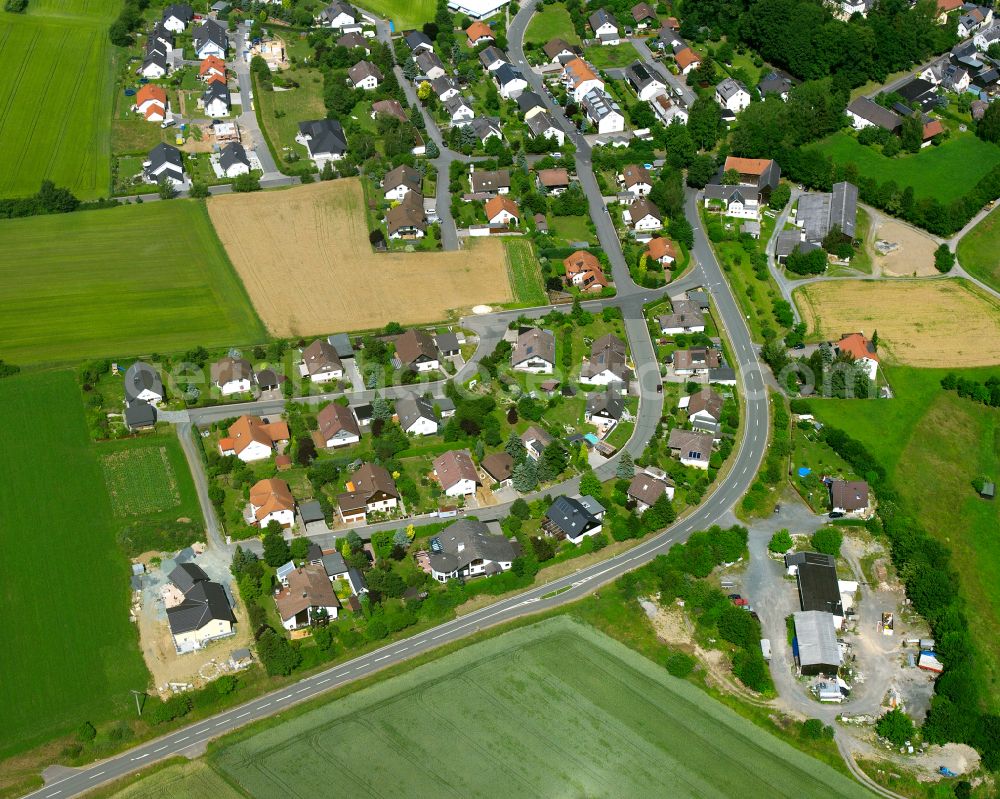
{"points": [[780, 542], [750, 668], [679, 664], [86, 732], [277, 655], [815, 730], [944, 258], [225, 684], [160, 712], [15, 6], [895, 726], [828, 540]]}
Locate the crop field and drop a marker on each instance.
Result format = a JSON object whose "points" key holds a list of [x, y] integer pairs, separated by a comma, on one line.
{"points": [[979, 251], [71, 653], [525, 274], [925, 434], [929, 323], [554, 709], [56, 97], [129, 280], [304, 256], [194, 780], [946, 172], [549, 22], [140, 481]]}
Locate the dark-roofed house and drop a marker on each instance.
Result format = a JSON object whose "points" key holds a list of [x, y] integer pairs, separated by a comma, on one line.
{"points": [[558, 50], [467, 549], [140, 415], [492, 58], [486, 128], [324, 139], [232, 375], [429, 65], [696, 361], [210, 38], [456, 473], [604, 409], [416, 416], [416, 350], [648, 486], [776, 83], [407, 219], [534, 351], [573, 519], [686, 317], [704, 409], [865, 113], [605, 27], [448, 344], [509, 80], [308, 599], [164, 162], [233, 160], [529, 104], [849, 496], [490, 182], [320, 362], [607, 362], [445, 88], [215, 101], [370, 489], [337, 427], [418, 41], [603, 110], [644, 15], [543, 126], [204, 615], [177, 16], [499, 467], [643, 216], [340, 15], [142, 382], [732, 95], [365, 75], [692, 448], [459, 110], [819, 588], [645, 82]]}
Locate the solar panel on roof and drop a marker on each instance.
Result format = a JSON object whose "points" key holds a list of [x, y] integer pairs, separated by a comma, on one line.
{"points": [[435, 544]]}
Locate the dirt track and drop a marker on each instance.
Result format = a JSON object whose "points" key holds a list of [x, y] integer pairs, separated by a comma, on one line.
{"points": [[939, 323], [914, 256], [306, 262]]}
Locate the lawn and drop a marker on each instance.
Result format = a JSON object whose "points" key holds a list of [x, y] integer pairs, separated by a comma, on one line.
{"points": [[281, 112], [979, 251], [72, 654], [554, 709], [933, 444], [945, 173], [56, 98], [552, 21], [611, 56], [129, 280], [571, 228], [525, 273], [403, 13]]}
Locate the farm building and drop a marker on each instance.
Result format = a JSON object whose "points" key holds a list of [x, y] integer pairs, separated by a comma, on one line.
{"points": [[816, 638], [819, 588]]}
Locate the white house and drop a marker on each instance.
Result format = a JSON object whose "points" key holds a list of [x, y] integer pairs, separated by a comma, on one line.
{"points": [[365, 75], [704, 407], [204, 615], [341, 16], [337, 426], [210, 38], [739, 202], [636, 180], [509, 81], [251, 439], [216, 100], [459, 110], [643, 216], [177, 17], [542, 126], [445, 88], [142, 382], [416, 350], [271, 501], [233, 160], [468, 549], [647, 487], [603, 111], [401, 181], [667, 110], [535, 352], [692, 449], [307, 599], [645, 82], [456, 473], [320, 362], [370, 489], [164, 162], [732, 95], [416, 416], [324, 139], [686, 317], [502, 211], [154, 66], [580, 79], [232, 375], [605, 27]]}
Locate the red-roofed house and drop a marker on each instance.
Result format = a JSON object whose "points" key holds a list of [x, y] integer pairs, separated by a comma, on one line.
{"points": [[151, 102], [861, 350], [211, 69], [932, 128], [584, 271], [479, 32], [502, 211], [662, 251]]}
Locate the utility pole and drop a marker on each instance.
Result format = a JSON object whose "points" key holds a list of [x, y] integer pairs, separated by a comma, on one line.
{"points": [[138, 707]]}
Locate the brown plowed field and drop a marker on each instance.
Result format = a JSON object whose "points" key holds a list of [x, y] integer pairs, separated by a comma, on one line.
{"points": [[306, 262]]}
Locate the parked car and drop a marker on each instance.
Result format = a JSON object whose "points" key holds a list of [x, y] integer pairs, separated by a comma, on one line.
{"points": [[741, 603], [735, 596]]}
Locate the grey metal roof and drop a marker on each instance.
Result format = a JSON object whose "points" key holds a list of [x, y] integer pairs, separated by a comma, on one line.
{"points": [[217, 90], [817, 637], [447, 342], [341, 342]]}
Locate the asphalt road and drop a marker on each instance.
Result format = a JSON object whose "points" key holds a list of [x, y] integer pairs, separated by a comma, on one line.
{"points": [[726, 493]]}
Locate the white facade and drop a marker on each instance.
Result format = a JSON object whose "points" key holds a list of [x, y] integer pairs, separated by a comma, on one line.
{"points": [[473, 570], [254, 451], [859, 122], [427, 366], [736, 102], [209, 48], [396, 193], [612, 122], [535, 365], [639, 189], [286, 518], [342, 21], [342, 438], [674, 329], [152, 71], [290, 623], [513, 88], [643, 224], [217, 107], [651, 89], [234, 387], [502, 217], [462, 114], [463, 488], [422, 426], [555, 134], [196, 639], [367, 83], [234, 170], [605, 378], [585, 87], [173, 24]]}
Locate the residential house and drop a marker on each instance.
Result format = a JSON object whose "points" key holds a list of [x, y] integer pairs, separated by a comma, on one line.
{"points": [[142, 383], [324, 139], [151, 102], [160, 40], [686, 317], [584, 271], [370, 489], [417, 351], [233, 160], [987, 37], [139, 415], [215, 101], [320, 362], [696, 361], [535, 440], [687, 60], [607, 363], [776, 83], [974, 19], [605, 27], [445, 88], [819, 212], [416, 416], [486, 128], [154, 66], [763, 174], [492, 58], [865, 113], [353, 40], [489, 182], [662, 250], [479, 32], [164, 162], [668, 109], [849, 8], [732, 95], [418, 42], [704, 409], [388, 108], [459, 110], [204, 615], [956, 79], [643, 81], [448, 344], [365, 75], [398, 182], [739, 202], [530, 103], [636, 180], [407, 219], [573, 519], [251, 438], [647, 487], [212, 69], [308, 599], [340, 15], [580, 79], [534, 351], [645, 16], [604, 410], [468, 549], [502, 211], [543, 126], [861, 349], [336, 427], [499, 468], [177, 16], [643, 216], [429, 65], [691, 448], [232, 375], [509, 81], [849, 496], [456, 473], [335, 567], [210, 38], [603, 111], [553, 181], [272, 501], [558, 50]]}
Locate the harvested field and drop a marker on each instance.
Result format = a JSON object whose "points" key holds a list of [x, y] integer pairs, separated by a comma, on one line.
{"points": [[306, 262], [939, 323], [914, 254]]}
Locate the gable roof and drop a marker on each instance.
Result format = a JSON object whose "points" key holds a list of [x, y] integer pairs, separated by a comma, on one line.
{"points": [[415, 344], [351, 40], [141, 377], [165, 154], [402, 175], [211, 62], [606, 354], [185, 575], [534, 343], [691, 445], [181, 11], [407, 214], [642, 207], [454, 466], [468, 540], [641, 11], [308, 587], [231, 154], [415, 39], [496, 205], [325, 136], [526, 101], [489, 180], [498, 465], [334, 418], [633, 175], [270, 496], [872, 112], [570, 516], [729, 88], [490, 55], [599, 104], [484, 127], [455, 103], [153, 92], [540, 124], [229, 369], [607, 403], [686, 58], [205, 602], [363, 70], [506, 74], [250, 429], [371, 479], [639, 75], [646, 488], [412, 409], [685, 314], [390, 108], [210, 31], [555, 47], [578, 71], [602, 17], [705, 401], [857, 346], [427, 60]]}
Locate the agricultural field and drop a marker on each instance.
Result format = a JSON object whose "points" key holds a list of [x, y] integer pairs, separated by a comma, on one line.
{"points": [[140, 480], [954, 324], [551, 21], [191, 780], [945, 173], [554, 709], [525, 274], [304, 256], [72, 654], [56, 97], [979, 251], [135, 279], [929, 434]]}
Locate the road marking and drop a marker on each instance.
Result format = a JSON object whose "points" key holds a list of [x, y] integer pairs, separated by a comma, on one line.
{"points": [[403, 648], [301, 690], [140, 757], [283, 698], [261, 707], [95, 776], [159, 750], [381, 658], [440, 636], [243, 715], [221, 723], [182, 739], [54, 793], [321, 682]]}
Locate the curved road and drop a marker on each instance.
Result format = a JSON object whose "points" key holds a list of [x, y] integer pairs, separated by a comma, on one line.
{"points": [[727, 491]]}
